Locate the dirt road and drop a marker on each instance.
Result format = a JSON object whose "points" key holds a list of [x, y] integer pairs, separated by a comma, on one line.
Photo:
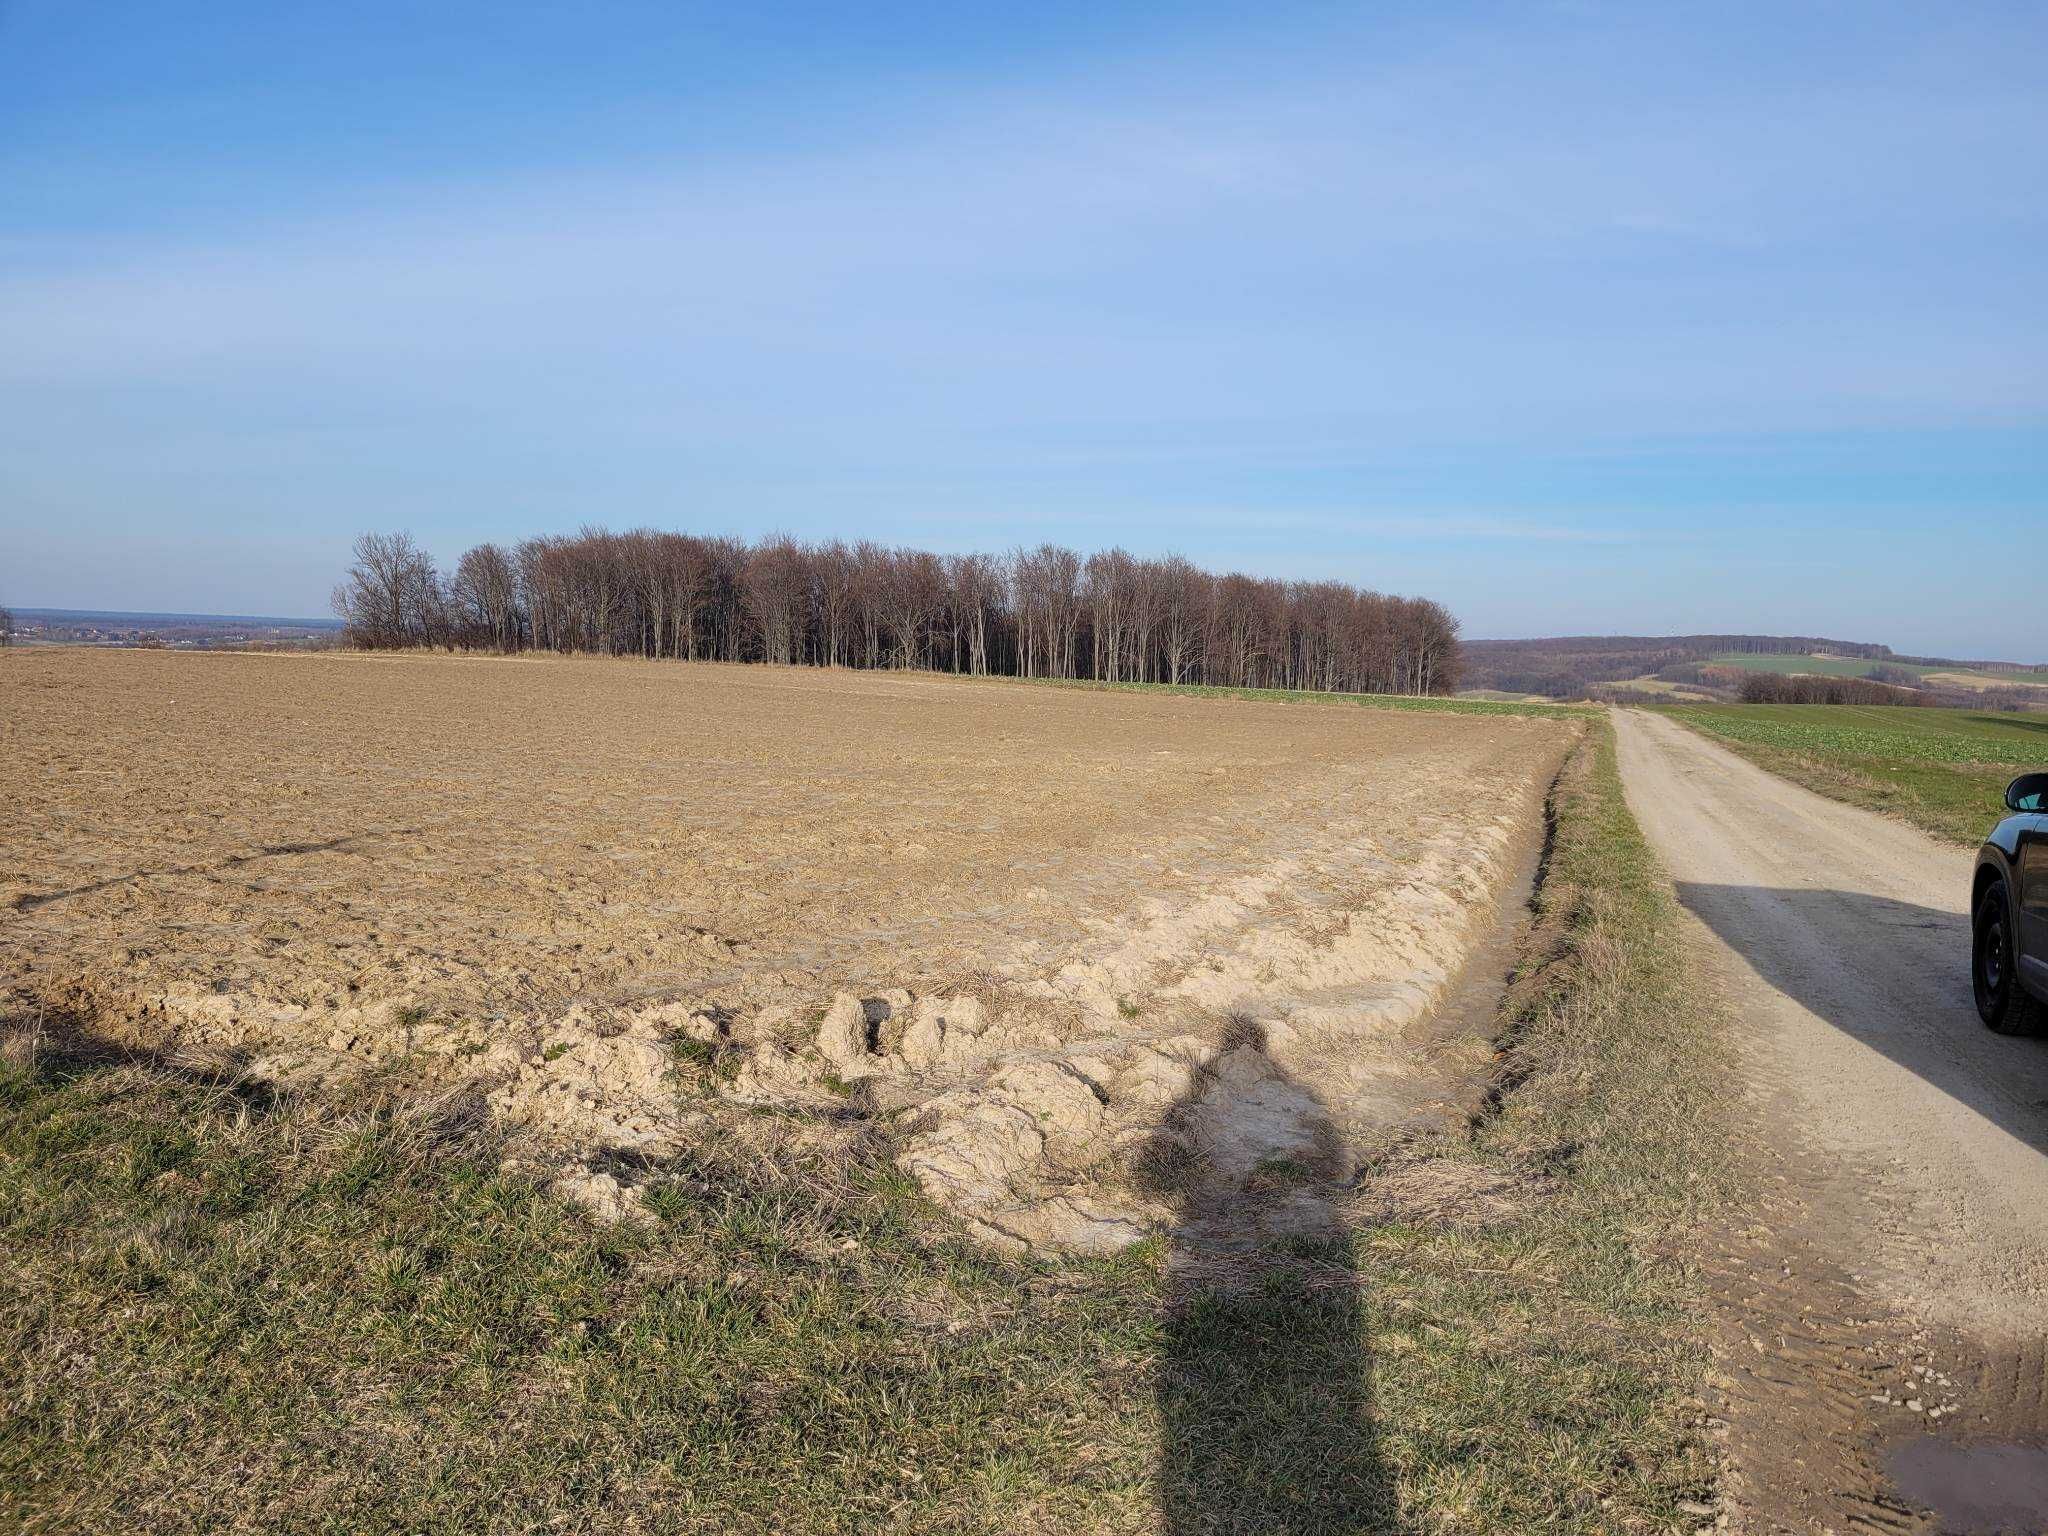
{"points": [[1847, 944], [1915, 1140]]}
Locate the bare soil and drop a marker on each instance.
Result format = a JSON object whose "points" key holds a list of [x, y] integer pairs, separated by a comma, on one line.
{"points": [[1049, 934]]}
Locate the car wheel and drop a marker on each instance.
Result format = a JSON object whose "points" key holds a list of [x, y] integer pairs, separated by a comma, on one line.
{"points": [[2002, 1002]]}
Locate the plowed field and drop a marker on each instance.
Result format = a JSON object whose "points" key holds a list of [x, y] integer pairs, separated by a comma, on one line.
{"points": [[575, 883]]}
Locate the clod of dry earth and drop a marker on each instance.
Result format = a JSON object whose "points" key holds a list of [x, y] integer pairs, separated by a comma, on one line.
{"points": [[1047, 934]]}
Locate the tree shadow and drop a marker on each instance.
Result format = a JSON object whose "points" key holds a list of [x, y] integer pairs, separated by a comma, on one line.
{"points": [[1894, 976], [2012, 720], [33, 901], [1264, 1383]]}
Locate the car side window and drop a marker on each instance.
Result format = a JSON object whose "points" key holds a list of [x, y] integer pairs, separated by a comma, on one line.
{"points": [[2028, 793]]}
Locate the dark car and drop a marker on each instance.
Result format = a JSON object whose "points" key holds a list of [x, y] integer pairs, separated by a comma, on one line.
{"points": [[2009, 913]]}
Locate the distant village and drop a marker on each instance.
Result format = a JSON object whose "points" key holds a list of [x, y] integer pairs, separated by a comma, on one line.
{"points": [[168, 632]]}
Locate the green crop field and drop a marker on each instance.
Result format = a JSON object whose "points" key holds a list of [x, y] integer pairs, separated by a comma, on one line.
{"points": [[1859, 666], [1942, 769]]}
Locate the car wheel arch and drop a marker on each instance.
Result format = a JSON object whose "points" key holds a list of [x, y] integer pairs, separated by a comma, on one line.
{"points": [[1990, 872]]}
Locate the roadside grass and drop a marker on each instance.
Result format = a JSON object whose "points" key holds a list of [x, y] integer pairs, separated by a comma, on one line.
{"points": [[221, 1312], [1944, 770], [1538, 1373], [1429, 703]]}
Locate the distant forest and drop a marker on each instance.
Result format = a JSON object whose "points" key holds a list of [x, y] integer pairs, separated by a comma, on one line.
{"points": [[1045, 612]]}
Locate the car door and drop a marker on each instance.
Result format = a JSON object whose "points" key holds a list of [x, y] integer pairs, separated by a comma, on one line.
{"points": [[2033, 899]]}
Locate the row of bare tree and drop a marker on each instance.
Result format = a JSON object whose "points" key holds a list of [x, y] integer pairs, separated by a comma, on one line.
{"points": [[1806, 688], [1044, 612]]}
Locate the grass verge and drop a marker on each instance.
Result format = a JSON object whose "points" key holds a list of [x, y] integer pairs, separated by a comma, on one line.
{"points": [[222, 1312], [1539, 1372], [1943, 770]]}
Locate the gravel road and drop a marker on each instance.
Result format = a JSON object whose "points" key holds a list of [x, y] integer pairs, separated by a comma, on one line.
{"points": [[1843, 943]]}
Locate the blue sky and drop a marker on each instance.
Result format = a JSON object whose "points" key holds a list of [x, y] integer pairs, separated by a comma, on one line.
{"points": [[1581, 317]]}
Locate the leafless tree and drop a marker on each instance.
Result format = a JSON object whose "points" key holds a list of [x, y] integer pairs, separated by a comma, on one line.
{"points": [[1047, 584], [1183, 601], [391, 595], [869, 587], [603, 585], [648, 601], [485, 598], [686, 571], [975, 598], [724, 612], [1109, 587], [6, 626], [775, 585], [913, 593], [835, 591]]}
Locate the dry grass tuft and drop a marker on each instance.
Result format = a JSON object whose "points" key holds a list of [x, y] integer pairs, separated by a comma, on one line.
{"points": [[1444, 1192]]}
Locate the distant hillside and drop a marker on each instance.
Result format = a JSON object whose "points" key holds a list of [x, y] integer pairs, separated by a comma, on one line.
{"points": [[1565, 667]]}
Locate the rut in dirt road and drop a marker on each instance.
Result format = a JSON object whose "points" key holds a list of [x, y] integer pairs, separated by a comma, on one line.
{"points": [[1846, 944]]}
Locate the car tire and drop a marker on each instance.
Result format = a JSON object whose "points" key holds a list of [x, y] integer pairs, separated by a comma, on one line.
{"points": [[2002, 1003]]}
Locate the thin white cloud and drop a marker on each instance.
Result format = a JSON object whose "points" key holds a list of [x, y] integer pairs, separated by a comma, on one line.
{"points": [[1431, 527]]}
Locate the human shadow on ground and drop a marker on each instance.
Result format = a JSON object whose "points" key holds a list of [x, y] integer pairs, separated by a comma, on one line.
{"points": [[1892, 975], [54, 1047], [1264, 1383]]}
